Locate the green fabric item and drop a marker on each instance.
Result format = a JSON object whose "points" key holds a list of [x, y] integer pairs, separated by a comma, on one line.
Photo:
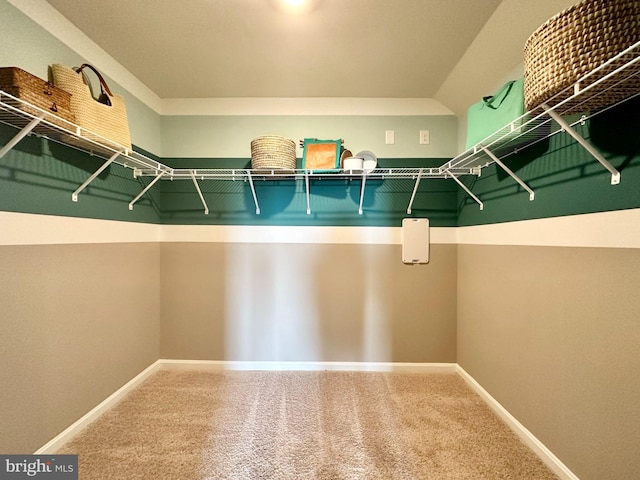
{"points": [[494, 112]]}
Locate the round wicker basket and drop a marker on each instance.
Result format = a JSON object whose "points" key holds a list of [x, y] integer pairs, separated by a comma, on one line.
{"points": [[273, 152], [574, 43]]}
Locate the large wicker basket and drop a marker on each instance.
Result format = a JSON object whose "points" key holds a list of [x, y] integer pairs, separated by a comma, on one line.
{"points": [[272, 152], [575, 42]]}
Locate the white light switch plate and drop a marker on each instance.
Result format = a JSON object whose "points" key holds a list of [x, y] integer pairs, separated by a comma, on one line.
{"points": [[390, 137]]}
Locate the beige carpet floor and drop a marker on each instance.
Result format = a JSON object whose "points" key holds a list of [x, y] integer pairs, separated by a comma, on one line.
{"points": [[302, 425]]}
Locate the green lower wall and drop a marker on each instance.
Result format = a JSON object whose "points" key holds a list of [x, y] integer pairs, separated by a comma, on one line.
{"points": [[39, 176], [284, 202]]}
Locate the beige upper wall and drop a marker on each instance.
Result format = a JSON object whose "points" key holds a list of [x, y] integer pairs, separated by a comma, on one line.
{"points": [[78, 322], [306, 302], [552, 333]]}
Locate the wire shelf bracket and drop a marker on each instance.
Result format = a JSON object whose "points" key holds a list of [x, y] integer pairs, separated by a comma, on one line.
{"points": [[364, 182], [490, 154], [415, 190], [153, 182], [253, 192], [615, 174], [306, 183], [20, 135], [74, 195], [195, 183], [466, 189]]}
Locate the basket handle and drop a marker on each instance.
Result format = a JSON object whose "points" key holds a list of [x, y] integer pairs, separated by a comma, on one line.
{"points": [[105, 92]]}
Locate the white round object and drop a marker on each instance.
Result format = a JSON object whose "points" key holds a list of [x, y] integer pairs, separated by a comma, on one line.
{"points": [[353, 163], [369, 160]]}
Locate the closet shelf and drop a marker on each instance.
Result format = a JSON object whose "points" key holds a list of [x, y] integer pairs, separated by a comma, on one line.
{"points": [[622, 73], [301, 174]]}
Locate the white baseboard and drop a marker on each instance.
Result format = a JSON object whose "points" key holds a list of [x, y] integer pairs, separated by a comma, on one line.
{"points": [[109, 402], [546, 455], [168, 364]]}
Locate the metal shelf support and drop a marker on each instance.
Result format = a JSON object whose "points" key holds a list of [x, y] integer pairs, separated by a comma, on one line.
{"points": [[364, 182], [615, 174], [145, 190], [195, 183], [306, 182], [490, 154], [415, 189], [253, 192], [20, 135], [469, 192], [74, 195]]}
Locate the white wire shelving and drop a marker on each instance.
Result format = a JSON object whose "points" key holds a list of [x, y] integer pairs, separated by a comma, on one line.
{"points": [[31, 120], [621, 73]]}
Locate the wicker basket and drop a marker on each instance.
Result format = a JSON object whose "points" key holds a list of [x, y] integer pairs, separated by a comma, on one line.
{"points": [[271, 152], [104, 123], [575, 42], [39, 93]]}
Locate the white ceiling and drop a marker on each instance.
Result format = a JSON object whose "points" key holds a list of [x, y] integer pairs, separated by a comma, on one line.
{"points": [[254, 48]]}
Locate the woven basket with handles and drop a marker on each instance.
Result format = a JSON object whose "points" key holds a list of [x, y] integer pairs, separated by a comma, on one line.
{"points": [[574, 43], [107, 120], [273, 152]]}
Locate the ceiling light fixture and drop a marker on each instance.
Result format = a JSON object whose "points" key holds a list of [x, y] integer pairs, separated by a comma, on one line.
{"points": [[295, 6]]}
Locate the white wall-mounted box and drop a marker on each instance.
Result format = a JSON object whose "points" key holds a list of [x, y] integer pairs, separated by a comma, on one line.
{"points": [[415, 240]]}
